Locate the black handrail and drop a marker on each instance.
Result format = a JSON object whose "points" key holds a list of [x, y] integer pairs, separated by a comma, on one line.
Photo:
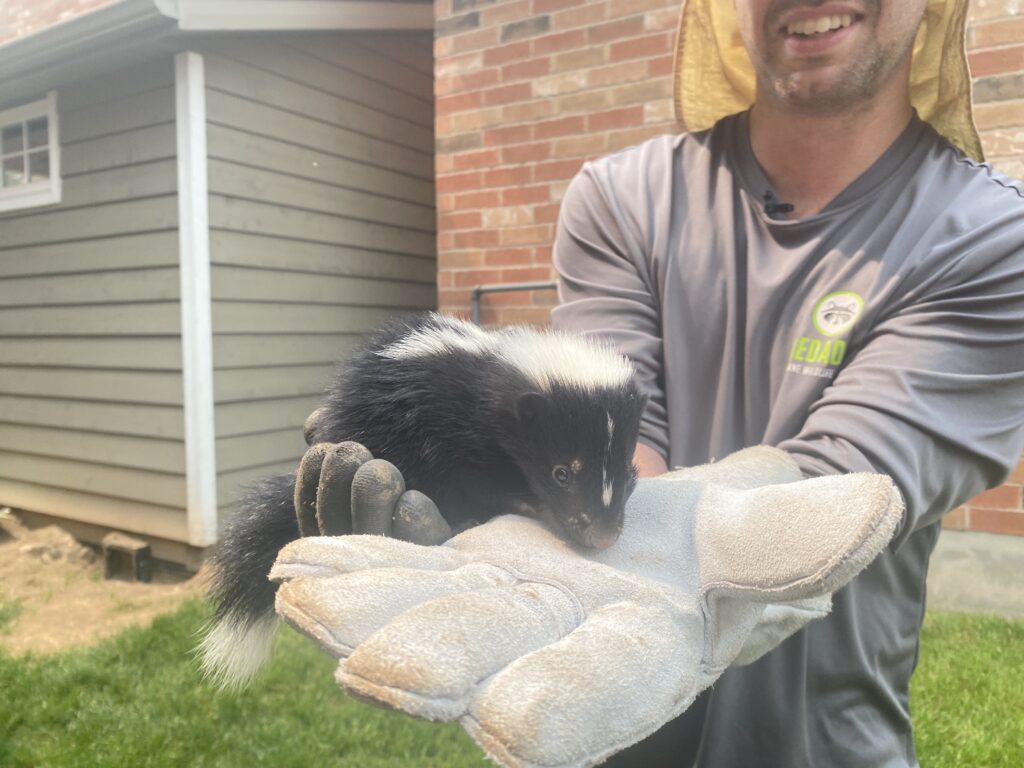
{"points": [[480, 290]]}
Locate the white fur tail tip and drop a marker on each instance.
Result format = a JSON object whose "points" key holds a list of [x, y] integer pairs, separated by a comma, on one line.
{"points": [[233, 651]]}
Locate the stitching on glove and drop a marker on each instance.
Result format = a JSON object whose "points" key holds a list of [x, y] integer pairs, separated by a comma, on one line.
{"points": [[578, 609]]}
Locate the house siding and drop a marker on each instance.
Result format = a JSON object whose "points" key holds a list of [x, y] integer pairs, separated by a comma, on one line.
{"points": [[90, 355], [322, 223]]}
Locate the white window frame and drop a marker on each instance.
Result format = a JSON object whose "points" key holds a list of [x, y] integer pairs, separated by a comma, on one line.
{"points": [[41, 192]]}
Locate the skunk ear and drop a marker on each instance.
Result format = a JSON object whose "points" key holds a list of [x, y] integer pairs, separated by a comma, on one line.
{"points": [[531, 407]]}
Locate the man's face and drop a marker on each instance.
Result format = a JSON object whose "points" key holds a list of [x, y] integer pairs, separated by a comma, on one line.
{"points": [[824, 56]]}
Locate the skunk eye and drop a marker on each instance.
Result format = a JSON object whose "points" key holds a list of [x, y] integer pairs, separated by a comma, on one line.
{"points": [[561, 474]]}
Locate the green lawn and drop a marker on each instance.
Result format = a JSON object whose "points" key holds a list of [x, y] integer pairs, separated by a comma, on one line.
{"points": [[135, 701]]}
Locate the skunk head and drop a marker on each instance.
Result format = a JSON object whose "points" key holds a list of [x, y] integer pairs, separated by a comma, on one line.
{"points": [[575, 448]]}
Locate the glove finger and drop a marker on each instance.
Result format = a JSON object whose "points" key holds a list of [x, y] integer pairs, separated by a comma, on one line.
{"points": [[340, 612], [376, 488], [312, 424], [334, 491], [326, 556], [794, 541], [429, 659], [623, 673], [417, 519], [306, 481]]}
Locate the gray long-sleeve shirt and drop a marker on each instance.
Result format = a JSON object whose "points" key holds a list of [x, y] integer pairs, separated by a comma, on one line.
{"points": [[884, 334]]}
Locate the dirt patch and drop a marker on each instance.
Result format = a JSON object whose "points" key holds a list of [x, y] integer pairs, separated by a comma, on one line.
{"points": [[53, 595]]}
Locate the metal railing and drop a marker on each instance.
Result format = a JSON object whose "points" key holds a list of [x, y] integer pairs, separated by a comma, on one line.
{"points": [[480, 290]]}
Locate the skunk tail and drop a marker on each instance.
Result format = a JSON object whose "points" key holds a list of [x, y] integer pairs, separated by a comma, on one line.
{"points": [[238, 640]]}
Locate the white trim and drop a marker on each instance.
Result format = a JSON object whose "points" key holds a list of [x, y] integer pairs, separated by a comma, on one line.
{"points": [[42, 192], [196, 320], [237, 15]]}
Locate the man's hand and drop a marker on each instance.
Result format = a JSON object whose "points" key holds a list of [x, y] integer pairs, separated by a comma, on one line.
{"points": [[552, 656], [340, 489]]}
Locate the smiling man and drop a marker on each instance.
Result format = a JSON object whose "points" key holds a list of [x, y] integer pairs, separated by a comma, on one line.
{"points": [[822, 264]]}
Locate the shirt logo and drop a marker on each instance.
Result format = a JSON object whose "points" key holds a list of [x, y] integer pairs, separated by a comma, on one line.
{"points": [[822, 352], [836, 314]]}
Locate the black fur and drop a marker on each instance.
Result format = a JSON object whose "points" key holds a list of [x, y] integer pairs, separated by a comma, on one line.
{"points": [[470, 431]]}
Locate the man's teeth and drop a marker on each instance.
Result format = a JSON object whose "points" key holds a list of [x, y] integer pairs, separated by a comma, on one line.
{"points": [[820, 25]]}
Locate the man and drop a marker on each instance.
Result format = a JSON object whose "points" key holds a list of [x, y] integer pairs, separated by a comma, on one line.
{"points": [[827, 273]]}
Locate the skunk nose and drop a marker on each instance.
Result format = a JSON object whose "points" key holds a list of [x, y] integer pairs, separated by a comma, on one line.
{"points": [[599, 536]]}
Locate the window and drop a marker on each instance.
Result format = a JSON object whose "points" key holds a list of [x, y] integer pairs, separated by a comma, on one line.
{"points": [[29, 155]]}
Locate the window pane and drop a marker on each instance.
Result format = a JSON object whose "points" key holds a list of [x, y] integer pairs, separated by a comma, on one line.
{"points": [[37, 133], [12, 138], [14, 171], [39, 165]]}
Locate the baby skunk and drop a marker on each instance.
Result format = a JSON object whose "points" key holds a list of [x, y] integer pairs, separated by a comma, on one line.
{"points": [[482, 422]]}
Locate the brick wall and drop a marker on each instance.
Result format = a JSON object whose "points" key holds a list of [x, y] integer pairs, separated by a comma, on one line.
{"points": [[22, 17], [527, 90]]}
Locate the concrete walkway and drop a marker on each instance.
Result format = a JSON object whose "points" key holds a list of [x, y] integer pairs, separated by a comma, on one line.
{"points": [[977, 573]]}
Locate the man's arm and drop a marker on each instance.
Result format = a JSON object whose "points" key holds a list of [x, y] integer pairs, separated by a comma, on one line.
{"points": [[649, 463], [604, 290], [935, 396]]}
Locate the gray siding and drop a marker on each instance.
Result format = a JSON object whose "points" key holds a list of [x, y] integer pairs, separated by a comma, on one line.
{"points": [[322, 223], [90, 352]]}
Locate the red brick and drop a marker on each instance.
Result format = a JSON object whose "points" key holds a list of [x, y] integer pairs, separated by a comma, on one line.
{"points": [[1003, 497], [524, 315], [447, 299], [510, 216], [513, 134], [526, 153], [957, 520], [503, 54], [483, 159], [530, 110], [581, 58], [617, 73], [559, 42], [565, 126], [580, 16], [997, 521], [587, 145], [526, 235], [641, 47], [997, 61], [482, 199], [460, 220], [521, 70], [558, 169], [477, 238], [615, 30], [459, 103], [459, 182], [626, 117], [543, 6], [542, 254], [629, 7], [483, 78], [1017, 476], [544, 214], [508, 177], [661, 66], [504, 13], [501, 257], [540, 193], [469, 278], [508, 93], [1003, 32], [453, 260], [471, 41], [525, 274]]}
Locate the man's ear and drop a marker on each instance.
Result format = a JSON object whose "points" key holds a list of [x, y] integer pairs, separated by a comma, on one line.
{"points": [[531, 407]]}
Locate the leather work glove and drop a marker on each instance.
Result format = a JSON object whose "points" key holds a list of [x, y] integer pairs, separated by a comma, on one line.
{"points": [[340, 489], [552, 656]]}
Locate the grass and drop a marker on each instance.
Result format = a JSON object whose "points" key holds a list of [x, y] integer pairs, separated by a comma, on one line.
{"points": [[135, 700], [9, 611], [967, 696]]}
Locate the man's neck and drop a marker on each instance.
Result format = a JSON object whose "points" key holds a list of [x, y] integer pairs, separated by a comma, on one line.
{"points": [[810, 159]]}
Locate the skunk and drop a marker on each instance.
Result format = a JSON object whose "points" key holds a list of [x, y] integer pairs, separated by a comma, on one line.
{"points": [[482, 422]]}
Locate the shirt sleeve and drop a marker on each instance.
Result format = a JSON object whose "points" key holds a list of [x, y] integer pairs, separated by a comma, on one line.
{"points": [[604, 291], [934, 397]]}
